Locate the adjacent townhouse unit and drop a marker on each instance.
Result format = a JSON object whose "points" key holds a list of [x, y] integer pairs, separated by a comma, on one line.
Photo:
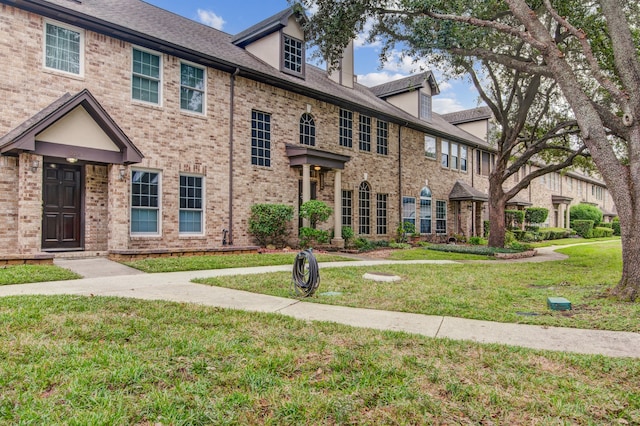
{"points": [[127, 129]]}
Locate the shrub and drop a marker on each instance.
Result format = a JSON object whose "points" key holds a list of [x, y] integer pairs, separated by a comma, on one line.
{"points": [[485, 228], [316, 211], [403, 246], [347, 234], [532, 228], [268, 223], [558, 233], [518, 233], [585, 212], [407, 228], [600, 232], [616, 226], [584, 228], [477, 241], [362, 244], [308, 235], [606, 225], [536, 214], [513, 219]]}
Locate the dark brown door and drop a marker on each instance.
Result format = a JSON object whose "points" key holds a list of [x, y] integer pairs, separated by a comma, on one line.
{"points": [[61, 215]]}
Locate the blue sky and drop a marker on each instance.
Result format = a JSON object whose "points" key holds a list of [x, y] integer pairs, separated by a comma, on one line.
{"points": [[235, 16]]}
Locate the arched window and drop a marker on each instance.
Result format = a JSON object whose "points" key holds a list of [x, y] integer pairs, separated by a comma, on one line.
{"points": [[425, 211], [307, 130], [364, 209]]}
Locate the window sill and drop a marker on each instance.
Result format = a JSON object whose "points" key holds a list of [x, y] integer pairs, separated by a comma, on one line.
{"points": [[193, 114], [150, 105], [58, 73], [140, 237]]}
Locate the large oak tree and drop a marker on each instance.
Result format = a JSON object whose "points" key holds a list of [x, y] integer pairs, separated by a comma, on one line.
{"points": [[589, 48]]}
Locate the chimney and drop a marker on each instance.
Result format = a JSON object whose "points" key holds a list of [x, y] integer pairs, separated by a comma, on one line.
{"points": [[343, 74]]}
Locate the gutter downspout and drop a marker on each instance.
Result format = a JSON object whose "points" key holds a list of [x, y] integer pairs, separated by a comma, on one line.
{"points": [[231, 108], [399, 175]]}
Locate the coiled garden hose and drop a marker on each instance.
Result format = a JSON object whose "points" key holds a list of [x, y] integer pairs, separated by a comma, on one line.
{"points": [[306, 276]]}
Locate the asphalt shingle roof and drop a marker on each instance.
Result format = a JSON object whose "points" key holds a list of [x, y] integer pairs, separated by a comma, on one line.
{"points": [[474, 114], [156, 28]]}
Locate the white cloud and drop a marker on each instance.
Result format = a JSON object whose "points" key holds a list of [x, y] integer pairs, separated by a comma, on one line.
{"points": [[375, 78], [209, 18], [361, 38], [446, 105]]}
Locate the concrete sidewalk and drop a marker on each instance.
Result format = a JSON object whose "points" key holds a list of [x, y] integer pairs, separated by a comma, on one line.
{"points": [[176, 286]]}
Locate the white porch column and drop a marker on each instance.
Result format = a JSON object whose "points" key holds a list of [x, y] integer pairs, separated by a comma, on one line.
{"points": [[561, 215], [306, 187], [337, 210], [567, 222]]}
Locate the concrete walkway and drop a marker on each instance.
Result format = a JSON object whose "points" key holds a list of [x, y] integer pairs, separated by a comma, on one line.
{"points": [[118, 280]]}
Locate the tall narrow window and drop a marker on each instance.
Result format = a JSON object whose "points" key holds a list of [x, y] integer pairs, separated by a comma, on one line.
{"points": [[365, 133], [145, 202], [307, 130], [293, 55], [191, 204], [425, 107], [63, 49], [347, 208], [463, 158], [429, 146], [425, 211], [444, 149], [364, 209], [486, 164], [346, 128], [382, 139], [381, 214], [260, 139], [441, 217], [192, 88], [454, 156], [409, 210], [145, 80]]}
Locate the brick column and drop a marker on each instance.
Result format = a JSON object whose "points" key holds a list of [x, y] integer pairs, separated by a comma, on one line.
{"points": [[118, 211], [29, 203], [306, 187]]}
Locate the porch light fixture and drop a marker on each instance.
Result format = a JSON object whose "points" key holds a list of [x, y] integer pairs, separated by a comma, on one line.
{"points": [[34, 165], [122, 171], [72, 160], [317, 168]]}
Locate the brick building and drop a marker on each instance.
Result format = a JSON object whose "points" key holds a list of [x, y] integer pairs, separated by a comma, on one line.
{"points": [[126, 128]]}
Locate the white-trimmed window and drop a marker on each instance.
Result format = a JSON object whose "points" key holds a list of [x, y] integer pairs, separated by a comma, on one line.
{"points": [[347, 208], [292, 55], [260, 138], [430, 147], [425, 211], [382, 137], [64, 48], [425, 107], [307, 130], [191, 204], [192, 88], [463, 158], [364, 209], [146, 76], [365, 133], [444, 151], [145, 202], [346, 128], [454, 156], [381, 214], [409, 210], [441, 217]]}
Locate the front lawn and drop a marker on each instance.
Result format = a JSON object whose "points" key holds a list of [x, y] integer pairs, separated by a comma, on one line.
{"points": [[506, 292], [108, 361], [21, 274]]}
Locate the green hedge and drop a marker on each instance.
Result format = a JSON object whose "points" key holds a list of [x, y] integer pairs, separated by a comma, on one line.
{"points": [[616, 226], [536, 214], [600, 232], [269, 223], [584, 211], [584, 228], [513, 218]]}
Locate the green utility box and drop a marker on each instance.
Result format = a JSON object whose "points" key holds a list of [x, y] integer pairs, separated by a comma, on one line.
{"points": [[558, 304]]}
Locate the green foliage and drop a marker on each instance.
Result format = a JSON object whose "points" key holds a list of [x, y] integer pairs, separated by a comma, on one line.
{"points": [[403, 246], [269, 223], [584, 211], [513, 219], [407, 228], [477, 241], [616, 226], [532, 228], [485, 228], [584, 228], [536, 214], [601, 231], [557, 233], [363, 244], [480, 250], [316, 211], [347, 234], [308, 235]]}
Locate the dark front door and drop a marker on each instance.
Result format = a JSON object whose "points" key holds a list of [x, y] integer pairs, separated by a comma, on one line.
{"points": [[61, 215]]}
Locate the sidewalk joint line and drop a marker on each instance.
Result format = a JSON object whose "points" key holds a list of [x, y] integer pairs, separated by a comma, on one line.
{"points": [[439, 327]]}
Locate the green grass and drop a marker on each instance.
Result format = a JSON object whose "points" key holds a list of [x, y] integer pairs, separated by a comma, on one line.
{"points": [[200, 263], [78, 360], [21, 274], [422, 253], [568, 241], [494, 292]]}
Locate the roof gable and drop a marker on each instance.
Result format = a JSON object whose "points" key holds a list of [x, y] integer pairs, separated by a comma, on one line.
{"points": [[407, 84], [266, 27]]}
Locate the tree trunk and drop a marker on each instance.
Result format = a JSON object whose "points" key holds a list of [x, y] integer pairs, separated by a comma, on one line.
{"points": [[629, 286], [497, 204]]}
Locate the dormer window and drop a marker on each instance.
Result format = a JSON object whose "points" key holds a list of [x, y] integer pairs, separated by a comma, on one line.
{"points": [[425, 107], [292, 55]]}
